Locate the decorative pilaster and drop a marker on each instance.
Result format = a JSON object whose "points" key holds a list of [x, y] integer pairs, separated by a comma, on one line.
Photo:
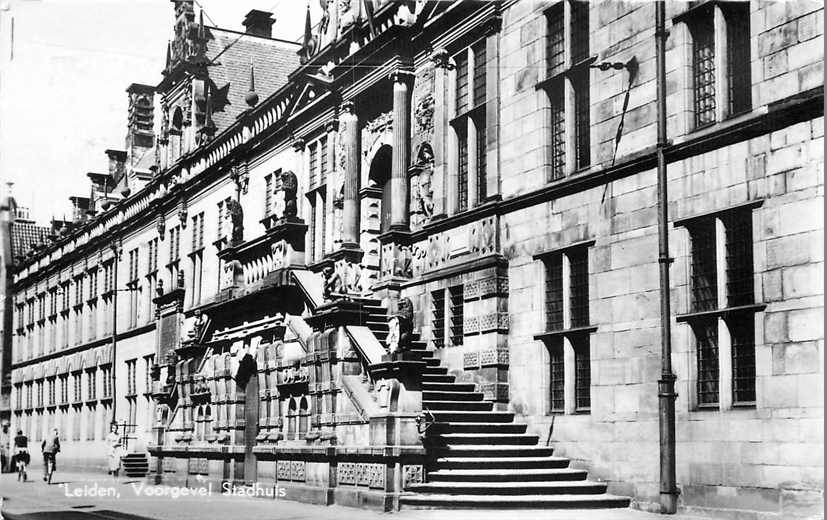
{"points": [[441, 66], [401, 144]]}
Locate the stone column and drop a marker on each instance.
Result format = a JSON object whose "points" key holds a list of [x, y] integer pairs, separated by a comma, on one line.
{"points": [[440, 59], [350, 210], [401, 144]]}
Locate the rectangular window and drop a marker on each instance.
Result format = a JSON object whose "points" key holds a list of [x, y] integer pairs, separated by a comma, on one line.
{"points": [[478, 49], [462, 82], [131, 388], [322, 223], [738, 58], [148, 362], [739, 262], [582, 372], [579, 293], [555, 42], [457, 324], [557, 373], [92, 388], [742, 334], [706, 342], [558, 134], [438, 318], [462, 168], [323, 160], [312, 149], [579, 31], [482, 150], [703, 68], [311, 231], [582, 127], [704, 273], [554, 292]]}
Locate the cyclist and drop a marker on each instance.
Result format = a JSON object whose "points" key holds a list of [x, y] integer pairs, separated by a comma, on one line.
{"points": [[50, 447], [21, 454]]}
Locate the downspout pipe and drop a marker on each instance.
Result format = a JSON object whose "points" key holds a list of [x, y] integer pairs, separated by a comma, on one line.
{"points": [[666, 384]]}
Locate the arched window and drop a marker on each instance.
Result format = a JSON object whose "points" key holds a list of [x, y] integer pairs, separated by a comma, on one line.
{"points": [[291, 419], [199, 423], [207, 421], [304, 418]]}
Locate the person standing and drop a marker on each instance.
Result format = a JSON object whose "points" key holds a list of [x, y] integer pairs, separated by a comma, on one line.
{"points": [[50, 447], [113, 441], [5, 448]]}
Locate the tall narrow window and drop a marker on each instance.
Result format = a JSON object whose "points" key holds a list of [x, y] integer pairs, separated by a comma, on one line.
{"points": [[582, 127], [457, 324], [704, 275], [742, 331], [739, 262], [462, 82], [582, 372], [313, 164], [579, 31], [579, 293], [462, 169], [268, 195], [738, 62], [438, 318], [554, 292], [556, 41], [703, 69], [557, 372], [322, 159], [480, 85], [706, 341]]}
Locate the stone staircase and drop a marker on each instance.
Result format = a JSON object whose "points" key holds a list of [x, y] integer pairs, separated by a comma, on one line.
{"points": [[478, 457], [482, 458], [135, 464]]}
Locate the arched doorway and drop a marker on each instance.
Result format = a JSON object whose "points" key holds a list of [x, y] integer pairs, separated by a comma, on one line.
{"points": [[247, 388], [380, 177]]}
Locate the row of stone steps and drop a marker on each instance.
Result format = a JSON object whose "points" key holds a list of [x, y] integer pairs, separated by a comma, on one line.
{"points": [[481, 458]]}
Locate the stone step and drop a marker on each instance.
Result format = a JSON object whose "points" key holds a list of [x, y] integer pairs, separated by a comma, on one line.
{"points": [[420, 353], [494, 439], [428, 386], [445, 501], [483, 427], [438, 371], [565, 487], [429, 395], [472, 416], [460, 406], [506, 475], [437, 377], [485, 450], [476, 463]]}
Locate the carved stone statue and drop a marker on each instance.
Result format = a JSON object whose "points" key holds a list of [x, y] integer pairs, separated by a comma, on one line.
{"points": [[401, 327], [347, 15], [233, 274], [236, 213], [289, 187], [332, 283], [425, 159]]}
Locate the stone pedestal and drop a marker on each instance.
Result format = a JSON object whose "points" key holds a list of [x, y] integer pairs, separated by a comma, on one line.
{"points": [[402, 377]]}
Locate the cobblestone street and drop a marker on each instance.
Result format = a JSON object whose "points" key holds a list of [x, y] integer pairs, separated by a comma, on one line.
{"points": [[35, 500]]}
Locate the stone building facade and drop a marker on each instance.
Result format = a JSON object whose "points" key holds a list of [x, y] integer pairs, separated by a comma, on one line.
{"points": [[426, 257]]}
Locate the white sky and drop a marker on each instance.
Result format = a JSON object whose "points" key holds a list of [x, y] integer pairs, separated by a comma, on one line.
{"points": [[62, 96]]}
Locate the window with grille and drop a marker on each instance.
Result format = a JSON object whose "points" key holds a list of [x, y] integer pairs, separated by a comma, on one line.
{"points": [[462, 169], [313, 164], [738, 60], [52, 384], [582, 372], [322, 222], [106, 379], [311, 231], [704, 272], [579, 286], [554, 291], [482, 149], [703, 68], [742, 334], [438, 318], [131, 388], [40, 394], [457, 325], [461, 60], [739, 261], [582, 127], [555, 41], [557, 373], [322, 159], [579, 31], [91, 386], [64, 389], [706, 344], [478, 50]]}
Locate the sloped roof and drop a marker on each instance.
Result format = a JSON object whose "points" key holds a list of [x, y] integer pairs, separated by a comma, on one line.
{"points": [[24, 235], [273, 60]]}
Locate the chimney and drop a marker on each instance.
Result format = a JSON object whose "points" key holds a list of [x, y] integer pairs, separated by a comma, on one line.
{"points": [[141, 117], [259, 23], [117, 165]]}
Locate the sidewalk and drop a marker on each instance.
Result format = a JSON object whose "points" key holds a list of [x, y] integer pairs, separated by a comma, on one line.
{"points": [[77, 496]]}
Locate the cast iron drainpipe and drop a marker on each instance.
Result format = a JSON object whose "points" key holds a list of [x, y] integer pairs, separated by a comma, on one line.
{"points": [[666, 384]]}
